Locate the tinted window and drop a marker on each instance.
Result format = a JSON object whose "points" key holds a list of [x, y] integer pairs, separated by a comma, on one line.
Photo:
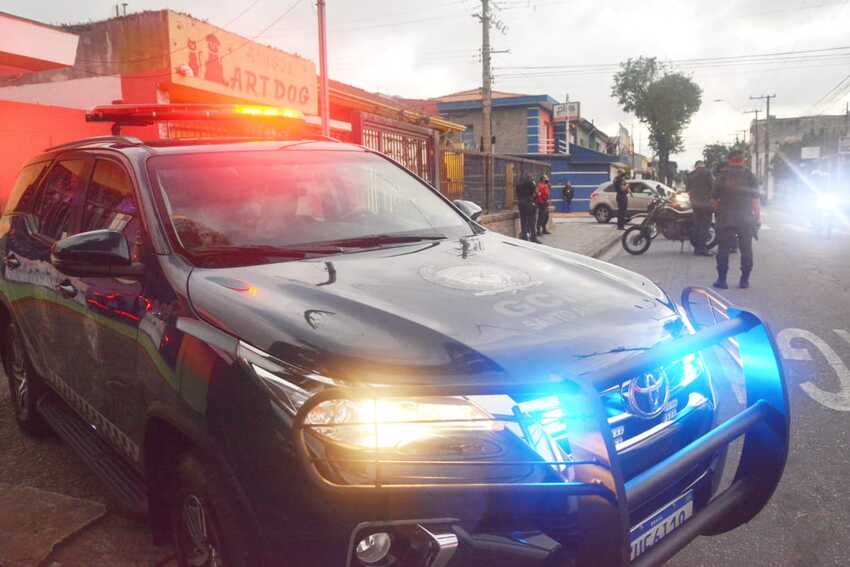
{"points": [[61, 188], [111, 204], [23, 192], [291, 197], [109, 199]]}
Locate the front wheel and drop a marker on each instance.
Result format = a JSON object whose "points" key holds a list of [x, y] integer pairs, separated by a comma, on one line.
{"points": [[208, 528], [602, 214], [636, 240], [24, 386]]}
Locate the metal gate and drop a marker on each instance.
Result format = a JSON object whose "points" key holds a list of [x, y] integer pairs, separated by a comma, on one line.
{"points": [[451, 182], [412, 146]]}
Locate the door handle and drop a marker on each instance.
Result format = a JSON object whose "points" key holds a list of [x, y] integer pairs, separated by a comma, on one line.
{"points": [[67, 289], [12, 262]]}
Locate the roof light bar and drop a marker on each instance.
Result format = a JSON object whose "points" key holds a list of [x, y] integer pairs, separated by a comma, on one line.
{"points": [[145, 114]]}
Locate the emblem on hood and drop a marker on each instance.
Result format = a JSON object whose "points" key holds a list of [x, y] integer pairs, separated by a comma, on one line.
{"points": [[483, 279], [648, 393]]}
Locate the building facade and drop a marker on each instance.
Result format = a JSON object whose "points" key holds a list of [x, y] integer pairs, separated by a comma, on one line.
{"points": [[163, 56], [522, 124]]}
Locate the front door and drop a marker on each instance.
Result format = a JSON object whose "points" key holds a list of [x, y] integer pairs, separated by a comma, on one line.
{"points": [[101, 338]]}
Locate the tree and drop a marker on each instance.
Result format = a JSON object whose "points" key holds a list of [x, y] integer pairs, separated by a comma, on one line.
{"points": [[715, 154], [663, 100]]}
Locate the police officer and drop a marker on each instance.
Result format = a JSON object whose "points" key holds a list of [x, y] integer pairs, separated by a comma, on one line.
{"points": [[736, 199], [699, 184], [622, 190], [525, 193]]}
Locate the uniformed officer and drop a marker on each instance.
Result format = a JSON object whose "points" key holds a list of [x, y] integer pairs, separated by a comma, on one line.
{"points": [[699, 184], [622, 190], [736, 198], [525, 194]]}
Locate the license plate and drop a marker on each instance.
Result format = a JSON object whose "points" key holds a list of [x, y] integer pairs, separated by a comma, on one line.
{"points": [[659, 525]]}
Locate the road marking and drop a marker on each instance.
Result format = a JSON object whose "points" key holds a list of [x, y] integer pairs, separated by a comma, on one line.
{"points": [[838, 401]]}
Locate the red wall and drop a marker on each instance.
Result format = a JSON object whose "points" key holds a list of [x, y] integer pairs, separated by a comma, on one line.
{"points": [[28, 129]]}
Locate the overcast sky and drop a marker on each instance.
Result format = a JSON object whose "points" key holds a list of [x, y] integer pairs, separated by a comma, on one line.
{"points": [[425, 48]]}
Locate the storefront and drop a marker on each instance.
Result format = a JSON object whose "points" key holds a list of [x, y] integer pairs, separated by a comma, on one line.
{"points": [[167, 57]]}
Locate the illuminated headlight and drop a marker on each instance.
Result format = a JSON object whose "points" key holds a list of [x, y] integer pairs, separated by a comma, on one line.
{"points": [[681, 199], [827, 201], [692, 368], [388, 423], [369, 423]]}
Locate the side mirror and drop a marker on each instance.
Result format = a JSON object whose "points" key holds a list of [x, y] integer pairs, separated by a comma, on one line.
{"points": [[469, 208], [94, 253]]}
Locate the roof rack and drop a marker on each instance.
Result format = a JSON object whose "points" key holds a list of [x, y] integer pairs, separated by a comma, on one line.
{"points": [[123, 140]]}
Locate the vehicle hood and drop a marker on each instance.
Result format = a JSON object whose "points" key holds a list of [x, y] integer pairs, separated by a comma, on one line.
{"points": [[483, 308]]}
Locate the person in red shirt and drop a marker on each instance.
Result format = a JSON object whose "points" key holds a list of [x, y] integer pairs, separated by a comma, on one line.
{"points": [[542, 201]]}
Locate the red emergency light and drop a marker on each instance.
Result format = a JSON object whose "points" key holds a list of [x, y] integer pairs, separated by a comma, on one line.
{"points": [[147, 114]]}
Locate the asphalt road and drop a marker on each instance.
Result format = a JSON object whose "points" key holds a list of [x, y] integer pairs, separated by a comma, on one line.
{"points": [[801, 285]]}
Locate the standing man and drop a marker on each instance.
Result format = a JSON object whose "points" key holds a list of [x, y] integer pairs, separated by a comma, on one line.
{"points": [[622, 190], [700, 185], [736, 198], [543, 194], [525, 190], [568, 195]]}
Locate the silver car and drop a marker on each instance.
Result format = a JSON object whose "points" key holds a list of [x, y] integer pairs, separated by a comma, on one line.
{"points": [[603, 201]]}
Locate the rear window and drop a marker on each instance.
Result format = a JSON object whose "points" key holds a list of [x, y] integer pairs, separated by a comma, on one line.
{"points": [[23, 192], [609, 188]]}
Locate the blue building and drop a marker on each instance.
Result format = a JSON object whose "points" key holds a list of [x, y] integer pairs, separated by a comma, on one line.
{"points": [[584, 168]]}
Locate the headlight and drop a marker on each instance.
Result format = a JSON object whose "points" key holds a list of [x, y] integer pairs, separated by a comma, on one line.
{"points": [[681, 199], [369, 423], [827, 201], [387, 423]]}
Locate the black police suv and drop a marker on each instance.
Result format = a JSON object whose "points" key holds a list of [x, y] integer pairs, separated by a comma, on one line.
{"points": [[296, 352]]}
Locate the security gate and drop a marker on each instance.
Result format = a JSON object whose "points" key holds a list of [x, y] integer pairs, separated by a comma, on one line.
{"points": [[410, 145]]}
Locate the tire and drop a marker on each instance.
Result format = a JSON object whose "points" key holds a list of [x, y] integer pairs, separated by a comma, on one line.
{"points": [[636, 240], [25, 387], [208, 526], [602, 214], [713, 237]]}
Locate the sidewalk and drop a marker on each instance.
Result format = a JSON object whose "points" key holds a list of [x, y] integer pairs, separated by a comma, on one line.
{"points": [[580, 233]]}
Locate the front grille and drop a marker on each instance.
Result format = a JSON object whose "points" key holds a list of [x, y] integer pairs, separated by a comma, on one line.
{"points": [[688, 392]]}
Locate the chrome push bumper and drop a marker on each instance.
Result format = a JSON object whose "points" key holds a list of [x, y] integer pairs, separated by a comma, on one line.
{"points": [[594, 478]]}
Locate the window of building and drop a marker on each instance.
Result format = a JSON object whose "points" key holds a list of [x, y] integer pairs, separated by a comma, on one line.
{"points": [[468, 138]]}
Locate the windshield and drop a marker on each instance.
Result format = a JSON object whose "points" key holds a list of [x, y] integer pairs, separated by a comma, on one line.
{"points": [[289, 200]]}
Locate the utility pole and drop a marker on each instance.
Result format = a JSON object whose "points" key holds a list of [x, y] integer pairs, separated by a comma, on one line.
{"points": [[766, 98], [486, 106], [756, 138], [324, 104]]}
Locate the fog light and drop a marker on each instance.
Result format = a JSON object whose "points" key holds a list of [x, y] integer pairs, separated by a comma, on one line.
{"points": [[374, 548]]}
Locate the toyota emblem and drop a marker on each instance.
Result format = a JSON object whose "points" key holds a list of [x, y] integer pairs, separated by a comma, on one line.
{"points": [[648, 394]]}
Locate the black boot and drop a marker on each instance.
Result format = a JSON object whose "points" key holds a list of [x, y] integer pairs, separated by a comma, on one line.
{"points": [[745, 280], [721, 281]]}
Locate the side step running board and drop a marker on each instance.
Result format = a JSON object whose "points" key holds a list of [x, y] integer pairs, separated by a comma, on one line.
{"points": [[126, 485]]}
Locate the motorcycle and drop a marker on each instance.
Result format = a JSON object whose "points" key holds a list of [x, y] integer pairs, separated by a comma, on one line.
{"points": [[672, 217]]}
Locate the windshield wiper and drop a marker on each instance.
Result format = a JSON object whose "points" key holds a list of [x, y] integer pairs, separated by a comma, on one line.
{"points": [[373, 240], [268, 251]]}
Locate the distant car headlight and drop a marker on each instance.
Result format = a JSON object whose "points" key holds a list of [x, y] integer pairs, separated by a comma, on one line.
{"points": [[827, 201], [368, 423], [681, 199]]}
